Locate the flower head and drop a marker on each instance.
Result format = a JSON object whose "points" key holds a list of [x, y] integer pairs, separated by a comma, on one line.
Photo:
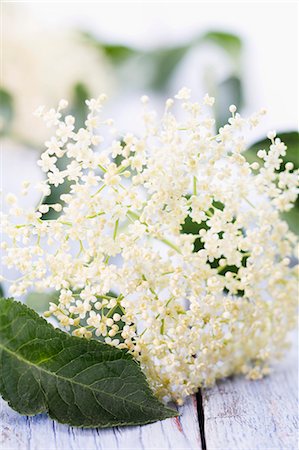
{"points": [[169, 243]]}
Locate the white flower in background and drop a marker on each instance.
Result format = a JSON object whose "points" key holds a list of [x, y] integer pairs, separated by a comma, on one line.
{"points": [[41, 65], [190, 307]]}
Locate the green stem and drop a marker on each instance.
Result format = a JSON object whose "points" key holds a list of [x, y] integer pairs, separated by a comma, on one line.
{"points": [[81, 249], [98, 191], [102, 168], [95, 215], [249, 202], [194, 186], [165, 241], [170, 244], [115, 229]]}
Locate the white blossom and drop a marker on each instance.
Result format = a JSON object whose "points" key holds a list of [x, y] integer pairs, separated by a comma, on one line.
{"points": [[124, 270]]}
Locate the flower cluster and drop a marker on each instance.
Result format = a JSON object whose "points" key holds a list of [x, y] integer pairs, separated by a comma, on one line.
{"points": [[168, 243]]}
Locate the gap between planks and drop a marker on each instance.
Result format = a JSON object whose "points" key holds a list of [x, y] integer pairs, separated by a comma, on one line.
{"points": [[236, 414]]}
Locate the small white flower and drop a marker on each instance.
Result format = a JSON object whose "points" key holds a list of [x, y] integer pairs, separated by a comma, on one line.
{"points": [[47, 162], [56, 177], [226, 293], [208, 100], [183, 94]]}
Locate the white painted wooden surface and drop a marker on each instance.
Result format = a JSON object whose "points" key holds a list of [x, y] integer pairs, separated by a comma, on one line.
{"points": [[39, 433], [255, 415], [238, 415]]}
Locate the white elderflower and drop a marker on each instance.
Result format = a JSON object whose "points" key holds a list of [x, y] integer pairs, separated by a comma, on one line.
{"points": [[178, 253], [50, 75]]}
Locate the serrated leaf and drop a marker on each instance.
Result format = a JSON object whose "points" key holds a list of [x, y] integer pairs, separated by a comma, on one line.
{"points": [[78, 382]]}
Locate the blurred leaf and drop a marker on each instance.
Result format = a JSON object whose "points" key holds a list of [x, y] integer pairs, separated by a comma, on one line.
{"points": [[39, 301], [1, 291], [118, 53], [78, 107], [6, 110], [165, 61], [229, 92], [161, 63], [79, 110], [57, 191], [231, 43], [292, 217]]}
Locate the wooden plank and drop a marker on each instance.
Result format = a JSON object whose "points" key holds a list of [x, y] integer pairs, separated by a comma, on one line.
{"points": [[39, 432], [254, 415]]}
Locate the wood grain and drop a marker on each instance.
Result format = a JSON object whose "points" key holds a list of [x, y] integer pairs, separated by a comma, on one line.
{"points": [[254, 415], [238, 415], [39, 432]]}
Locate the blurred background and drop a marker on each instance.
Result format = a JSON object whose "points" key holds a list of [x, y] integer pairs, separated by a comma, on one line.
{"points": [[243, 53]]}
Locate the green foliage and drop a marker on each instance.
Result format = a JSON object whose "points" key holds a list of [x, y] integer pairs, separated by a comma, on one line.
{"points": [[39, 301], [292, 217], [6, 110], [231, 43], [291, 139], [229, 92], [79, 109], [118, 53], [164, 63], [190, 227], [79, 382], [57, 191]]}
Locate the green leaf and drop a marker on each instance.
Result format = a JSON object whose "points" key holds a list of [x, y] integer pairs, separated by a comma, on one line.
{"points": [[292, 217], [291, 139], [39, 301], [231, 43], [79, 111], [118, 53], [78, 106], [6, 110], [57, 191], [229, 92], [164, 62], [79, 382]]}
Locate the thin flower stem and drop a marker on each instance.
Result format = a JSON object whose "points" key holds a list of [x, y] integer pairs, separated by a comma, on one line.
{"points": [[194, 185], [249, 202], [81, 249], [170, 244], [115, 229], [95, 215], [98, 191], [102, 168], [165, 241]]}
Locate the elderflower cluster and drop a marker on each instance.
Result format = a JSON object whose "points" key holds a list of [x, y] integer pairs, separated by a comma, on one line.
{"points": [[168, 243]]}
